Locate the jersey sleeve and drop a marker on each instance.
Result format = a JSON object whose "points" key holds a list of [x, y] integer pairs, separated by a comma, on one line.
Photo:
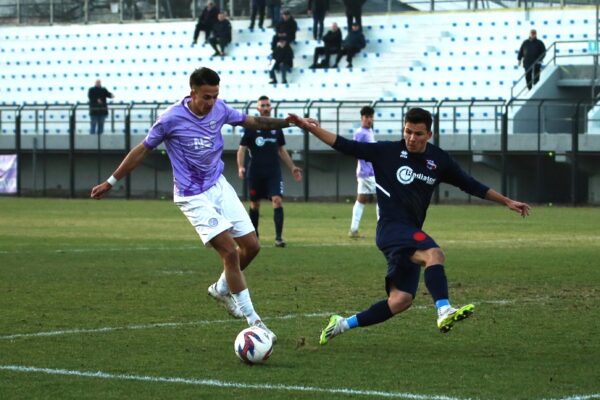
{"points": [[156, 135], [247, 137], [234, 117], [362, 150], [456, 176]]}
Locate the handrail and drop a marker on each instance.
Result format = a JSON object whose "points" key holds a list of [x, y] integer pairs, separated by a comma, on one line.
{"points": [[555, 55]]}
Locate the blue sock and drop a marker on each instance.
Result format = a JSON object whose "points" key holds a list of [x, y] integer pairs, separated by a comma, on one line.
{"points": [[352, 321], [441, 303]]}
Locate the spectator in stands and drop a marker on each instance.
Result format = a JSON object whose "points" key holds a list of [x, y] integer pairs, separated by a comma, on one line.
{"points": [[318, 9], [97, 96], [206, 21], [354, 12], [352, 44], [283, 60], [258, 6], [365, 176], [221, 35], [274, 8], [265, 147], [276, 38], [332, 43], [532, 53], [288, 26]]}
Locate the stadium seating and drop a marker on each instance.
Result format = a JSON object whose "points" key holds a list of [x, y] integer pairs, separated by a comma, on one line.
{"points": [[409, 56]]}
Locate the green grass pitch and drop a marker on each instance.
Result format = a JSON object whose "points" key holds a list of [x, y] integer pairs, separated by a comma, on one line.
{"points": [[107, 300]]}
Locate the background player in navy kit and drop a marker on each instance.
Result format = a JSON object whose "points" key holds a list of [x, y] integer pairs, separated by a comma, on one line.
{"points": [[406, 172], [264, 172]]}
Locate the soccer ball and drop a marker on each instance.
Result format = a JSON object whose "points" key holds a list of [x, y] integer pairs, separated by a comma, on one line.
{"points": [[253, 345]]}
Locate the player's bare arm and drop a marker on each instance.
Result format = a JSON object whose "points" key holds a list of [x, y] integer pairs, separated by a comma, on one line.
{"points": [[313, 127], [285, 156], [241, 158], [129, 163], [517, 206], [264, 123]]}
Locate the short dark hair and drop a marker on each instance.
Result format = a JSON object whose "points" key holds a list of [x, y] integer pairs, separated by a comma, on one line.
{"points": [[367, 110], [204, 76], [419, 116], [263, 97]]}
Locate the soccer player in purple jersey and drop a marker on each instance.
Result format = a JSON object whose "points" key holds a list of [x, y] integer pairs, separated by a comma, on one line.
{"points": [[191, 132], [407, 172], [364, 171]]}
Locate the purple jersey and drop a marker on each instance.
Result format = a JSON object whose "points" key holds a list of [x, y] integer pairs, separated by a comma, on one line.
{"points": [[364, 169], [194, 144]]}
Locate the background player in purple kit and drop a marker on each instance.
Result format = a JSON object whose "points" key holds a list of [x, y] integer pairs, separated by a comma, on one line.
{"points": [[191, 132], [264, 173], [407, 172], [365, 176]]}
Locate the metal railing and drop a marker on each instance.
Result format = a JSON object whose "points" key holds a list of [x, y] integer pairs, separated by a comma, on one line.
{"points": [[563, 50], [475, 129]]}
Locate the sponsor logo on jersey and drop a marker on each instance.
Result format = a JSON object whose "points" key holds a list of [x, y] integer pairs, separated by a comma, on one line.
{"points": [[431, 165], [260, 141], [212, 125], [406, 176]]}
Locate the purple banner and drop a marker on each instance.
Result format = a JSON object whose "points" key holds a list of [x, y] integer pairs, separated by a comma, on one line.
{"points": [[8, 173]]}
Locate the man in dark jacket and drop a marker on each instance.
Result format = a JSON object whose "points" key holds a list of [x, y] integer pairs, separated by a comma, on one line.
{"points": [[332, 43], [354, 12], [206, 21], [258, 7], [318, 9], [283, 60], [97, 96], [221, 35], [288, 26], [352, 44], [532, 53]]}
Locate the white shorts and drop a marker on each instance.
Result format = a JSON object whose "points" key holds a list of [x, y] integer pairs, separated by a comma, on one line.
{"points": [[217, 210], [366, 185]]}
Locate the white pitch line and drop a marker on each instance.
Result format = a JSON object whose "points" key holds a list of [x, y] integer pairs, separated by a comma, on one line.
{"points": [[579, 397], [223, 384], [221, 321]]}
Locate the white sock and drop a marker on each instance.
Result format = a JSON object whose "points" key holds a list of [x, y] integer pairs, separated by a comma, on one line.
{"points": [[222, 286], [357, 212], [377, 210], [243, 300]]}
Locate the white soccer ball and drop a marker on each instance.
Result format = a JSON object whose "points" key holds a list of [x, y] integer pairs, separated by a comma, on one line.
{"points": [[253, 345]]}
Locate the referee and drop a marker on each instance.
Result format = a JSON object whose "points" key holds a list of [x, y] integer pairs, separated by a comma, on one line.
{"points": [[264, 172]]}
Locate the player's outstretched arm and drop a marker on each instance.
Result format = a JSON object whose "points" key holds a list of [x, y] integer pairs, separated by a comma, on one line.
{"points": [[517, 206], [314, 128], [129, 163]]}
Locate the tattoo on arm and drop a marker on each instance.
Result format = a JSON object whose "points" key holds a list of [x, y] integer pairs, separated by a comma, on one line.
{"points": [[265, 123]]}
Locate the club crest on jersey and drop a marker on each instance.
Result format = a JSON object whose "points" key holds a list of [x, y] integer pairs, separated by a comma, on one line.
{"points": [[213, 222], [403, 154], [260, 141], [212, 125], [431, 165]]}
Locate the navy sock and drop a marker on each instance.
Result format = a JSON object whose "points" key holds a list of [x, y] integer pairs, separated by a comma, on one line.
{"points": [[436, 282], [278, 219], [254, 218], [375, 314]]}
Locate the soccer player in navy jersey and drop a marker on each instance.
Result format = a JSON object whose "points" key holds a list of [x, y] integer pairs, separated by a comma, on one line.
{"points": [[407, 172], [191, 132], [264, 172]]}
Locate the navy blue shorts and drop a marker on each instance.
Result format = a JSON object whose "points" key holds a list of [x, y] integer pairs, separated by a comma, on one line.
{"points": [[265, 187], [398, 242]]}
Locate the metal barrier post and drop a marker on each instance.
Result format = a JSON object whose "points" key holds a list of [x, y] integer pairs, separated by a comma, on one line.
{"points": [[127, 148], [71, 153]]}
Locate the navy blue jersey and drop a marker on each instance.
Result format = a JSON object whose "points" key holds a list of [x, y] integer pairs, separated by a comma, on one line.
{"points": [[264, 151], [406, 181]]}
